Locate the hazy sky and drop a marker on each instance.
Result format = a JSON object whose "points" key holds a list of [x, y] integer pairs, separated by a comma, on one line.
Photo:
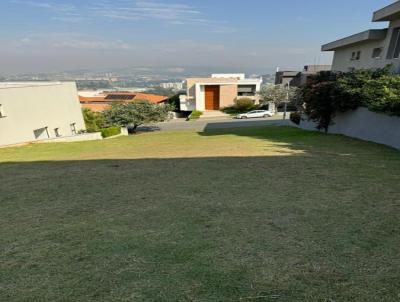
{"points": [[56, 35]]}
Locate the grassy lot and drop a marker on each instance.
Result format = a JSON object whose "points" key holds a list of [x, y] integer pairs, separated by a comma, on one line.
{"points": [[262, 214]]}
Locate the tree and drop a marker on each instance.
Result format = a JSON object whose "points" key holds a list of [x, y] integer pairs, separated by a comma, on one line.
{"points": [[134, 114], [94, 121], [328, 93], [175, 102], [277, 94], [244, 104]]}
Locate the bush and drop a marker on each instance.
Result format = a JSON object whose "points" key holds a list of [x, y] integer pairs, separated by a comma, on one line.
{"points": [[134, 114], [323, 97], [195, 115], [111, 131], [328, 93], [244, 104], [295, 117], [94, 121], [232, 110]]}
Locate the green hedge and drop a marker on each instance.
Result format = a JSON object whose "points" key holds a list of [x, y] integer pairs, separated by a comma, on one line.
{"points": [[111, 131], [195, 115], [328, 93]]}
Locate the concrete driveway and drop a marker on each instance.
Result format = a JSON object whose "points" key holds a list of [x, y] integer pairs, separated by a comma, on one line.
{"points": [[208, 124]]}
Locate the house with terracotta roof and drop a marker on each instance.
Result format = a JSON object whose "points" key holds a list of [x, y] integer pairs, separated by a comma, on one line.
{"points": [[101, 102]]}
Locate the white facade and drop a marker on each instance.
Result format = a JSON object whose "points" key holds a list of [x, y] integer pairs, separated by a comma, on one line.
{"points": [[175, 86], [38, 111], [371, 49], [239, 76], [230, 87]]}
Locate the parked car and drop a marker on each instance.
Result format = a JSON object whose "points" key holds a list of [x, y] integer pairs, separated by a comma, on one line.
{"points": [[255, 114]]}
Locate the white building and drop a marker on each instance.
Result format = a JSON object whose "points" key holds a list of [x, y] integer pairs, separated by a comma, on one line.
{"points": [[374, 48], [218, 91], [174, 86], [35, 111]]}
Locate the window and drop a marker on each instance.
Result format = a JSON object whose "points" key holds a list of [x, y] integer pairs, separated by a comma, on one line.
{"points": [[377, 53], [57, 132], [247, 90], [2, 113], [41, 133], [356, 55], [73, 129], [394, 47]]}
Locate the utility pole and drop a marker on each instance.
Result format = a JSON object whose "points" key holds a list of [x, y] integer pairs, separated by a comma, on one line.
{"points": [[287, 100]]}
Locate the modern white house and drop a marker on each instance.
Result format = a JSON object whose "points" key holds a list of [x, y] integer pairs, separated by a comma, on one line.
{"points": [[36, 111], [218, 91], [375, 48]]}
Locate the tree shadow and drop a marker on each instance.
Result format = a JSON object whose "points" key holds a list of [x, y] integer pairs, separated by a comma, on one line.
{"points": [[146, 129]]}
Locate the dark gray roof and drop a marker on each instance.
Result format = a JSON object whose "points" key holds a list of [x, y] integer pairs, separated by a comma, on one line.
{"points": [[365, 36], [388, 13], [288, 73]]}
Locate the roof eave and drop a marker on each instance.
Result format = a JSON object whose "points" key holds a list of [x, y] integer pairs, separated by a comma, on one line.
{"points": [[388, 13], [360, 38]]}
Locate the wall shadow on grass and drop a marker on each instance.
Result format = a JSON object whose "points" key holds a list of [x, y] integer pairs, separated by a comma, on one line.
{"points": [[308, 142], [211, 229]]}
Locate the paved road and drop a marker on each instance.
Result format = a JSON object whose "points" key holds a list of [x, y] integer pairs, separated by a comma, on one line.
{"points": [[207, 124]]}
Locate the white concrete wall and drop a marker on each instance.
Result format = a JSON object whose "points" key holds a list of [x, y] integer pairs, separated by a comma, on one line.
{"points": [[200, 97], [240, 76], [52, 105], [366, 125], [342, 57], [75, 138], [187, 103]]}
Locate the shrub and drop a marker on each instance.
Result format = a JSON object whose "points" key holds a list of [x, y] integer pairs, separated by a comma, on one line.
{"points": [[323, 97], [111, 131], [244, 104], [328, 93], [94, 121], [295, 117], [232, 110], [195, 115], [134, 114], [382, 95]]}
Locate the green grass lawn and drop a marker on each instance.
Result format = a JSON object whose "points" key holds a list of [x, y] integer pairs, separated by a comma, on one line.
{"points": [[255, 214]]}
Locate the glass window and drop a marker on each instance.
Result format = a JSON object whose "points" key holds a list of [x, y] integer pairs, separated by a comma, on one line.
{"points": [[377, 53], [394, 48], [246, 90]]}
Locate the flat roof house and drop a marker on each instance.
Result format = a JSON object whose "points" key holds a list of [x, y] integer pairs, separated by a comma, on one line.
{"points": [[299, 78], [38, 111], [218, 91], [374, 48]]}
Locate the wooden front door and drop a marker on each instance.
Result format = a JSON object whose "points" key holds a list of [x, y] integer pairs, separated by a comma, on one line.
{"points": [[212, 97]]}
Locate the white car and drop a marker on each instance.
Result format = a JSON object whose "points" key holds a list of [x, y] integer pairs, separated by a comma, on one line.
{"points": [[255, 114]]}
